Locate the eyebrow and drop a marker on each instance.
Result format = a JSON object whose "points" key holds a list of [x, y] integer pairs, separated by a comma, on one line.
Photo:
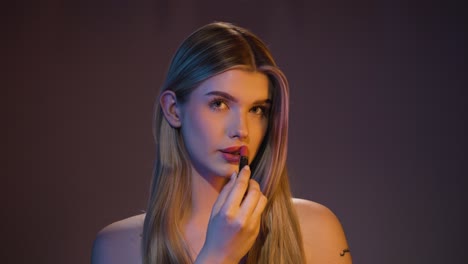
{"points": [[232, 99]]}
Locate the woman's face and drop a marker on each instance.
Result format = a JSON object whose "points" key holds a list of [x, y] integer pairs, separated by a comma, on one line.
{"points": [[225, 112]]}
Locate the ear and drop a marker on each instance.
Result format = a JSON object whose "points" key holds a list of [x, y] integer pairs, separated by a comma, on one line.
{"points": [[170, 108]]}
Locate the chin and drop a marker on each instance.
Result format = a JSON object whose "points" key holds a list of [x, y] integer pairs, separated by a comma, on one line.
{"points": [[227, 171], [225, 175]]}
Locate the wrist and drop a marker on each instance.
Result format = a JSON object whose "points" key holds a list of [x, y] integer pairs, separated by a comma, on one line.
{"points": [[207, 258]]}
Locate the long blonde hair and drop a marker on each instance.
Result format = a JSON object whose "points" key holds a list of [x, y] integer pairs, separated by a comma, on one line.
{"points": [[209, 51]]}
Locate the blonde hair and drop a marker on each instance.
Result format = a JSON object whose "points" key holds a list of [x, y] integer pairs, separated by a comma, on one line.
{"points": [[209, 51]]}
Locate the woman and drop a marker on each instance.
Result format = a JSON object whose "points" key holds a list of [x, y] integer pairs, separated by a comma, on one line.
{"points": [[223, 95]]}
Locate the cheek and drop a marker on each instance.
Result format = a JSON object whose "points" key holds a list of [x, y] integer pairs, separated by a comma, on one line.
{"points": [[261, 126], [194, 125], [258, 132], [201, 126]]}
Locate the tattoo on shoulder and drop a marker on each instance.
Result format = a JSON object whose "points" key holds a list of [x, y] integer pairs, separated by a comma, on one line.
{"points": [[344, 251]]}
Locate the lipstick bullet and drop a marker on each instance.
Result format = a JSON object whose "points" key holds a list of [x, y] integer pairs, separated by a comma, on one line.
{"points": [[244, 157]]}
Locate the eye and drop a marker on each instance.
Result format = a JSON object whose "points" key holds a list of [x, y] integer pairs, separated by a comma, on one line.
{"points": [[259, 110], [218, 104]]}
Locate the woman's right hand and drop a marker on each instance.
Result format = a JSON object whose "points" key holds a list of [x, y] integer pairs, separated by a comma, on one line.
{"points": [[235, 220]]}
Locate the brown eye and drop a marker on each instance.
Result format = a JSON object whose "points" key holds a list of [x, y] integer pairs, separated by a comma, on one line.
{"points": [[259, 110], [218, 104]]}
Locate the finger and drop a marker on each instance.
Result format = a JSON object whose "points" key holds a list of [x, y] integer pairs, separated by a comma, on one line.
{"points": [[224, 193], [261, 204], [234, 198], [251, 200]]}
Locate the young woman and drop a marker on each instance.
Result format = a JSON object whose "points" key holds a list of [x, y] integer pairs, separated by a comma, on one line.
{"points": [[223, 96]]}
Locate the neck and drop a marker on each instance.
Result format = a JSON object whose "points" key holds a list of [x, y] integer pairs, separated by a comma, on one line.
{"points": [[205, 191]]}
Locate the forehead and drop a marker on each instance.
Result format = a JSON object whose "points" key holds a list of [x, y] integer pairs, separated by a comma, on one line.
{"points": [[239, 83]]}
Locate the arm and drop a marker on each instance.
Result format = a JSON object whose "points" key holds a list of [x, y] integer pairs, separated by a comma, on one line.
{"points": [[119, 242], [101, 252], [323, 236]]}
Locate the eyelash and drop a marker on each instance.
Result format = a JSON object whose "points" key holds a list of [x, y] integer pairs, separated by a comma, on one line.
{"points": [[217, 105], [262, 108]]}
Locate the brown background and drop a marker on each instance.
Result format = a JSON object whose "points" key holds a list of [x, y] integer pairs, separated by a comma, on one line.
{"points": [[377, 131]]}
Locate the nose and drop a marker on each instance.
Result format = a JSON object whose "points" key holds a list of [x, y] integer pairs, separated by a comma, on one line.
{"points": [[239, 127]]}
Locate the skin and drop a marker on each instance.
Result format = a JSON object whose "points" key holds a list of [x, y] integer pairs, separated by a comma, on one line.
{"points": [[224, 111], [323, 237], [227, 110]]}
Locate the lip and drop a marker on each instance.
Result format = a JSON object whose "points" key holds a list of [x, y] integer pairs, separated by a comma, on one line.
{"points": [[234, 149], [231, 158], [231, 154]]}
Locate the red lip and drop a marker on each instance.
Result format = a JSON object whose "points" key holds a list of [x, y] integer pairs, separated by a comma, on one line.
{"points": [[235, 149], [230, 157], [231, 154]]}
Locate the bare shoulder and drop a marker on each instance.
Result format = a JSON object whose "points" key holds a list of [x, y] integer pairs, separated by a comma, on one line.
{"points": [[323, 236], [119, 242]]}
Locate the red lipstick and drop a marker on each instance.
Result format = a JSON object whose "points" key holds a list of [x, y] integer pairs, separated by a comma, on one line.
{"points": [[244, 157]]}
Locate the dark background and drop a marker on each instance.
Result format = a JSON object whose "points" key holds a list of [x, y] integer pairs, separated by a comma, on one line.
{"points": [[377, 117]]}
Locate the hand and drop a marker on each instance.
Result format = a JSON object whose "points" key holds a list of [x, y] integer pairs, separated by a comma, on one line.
{"points": [[235, 220]]}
